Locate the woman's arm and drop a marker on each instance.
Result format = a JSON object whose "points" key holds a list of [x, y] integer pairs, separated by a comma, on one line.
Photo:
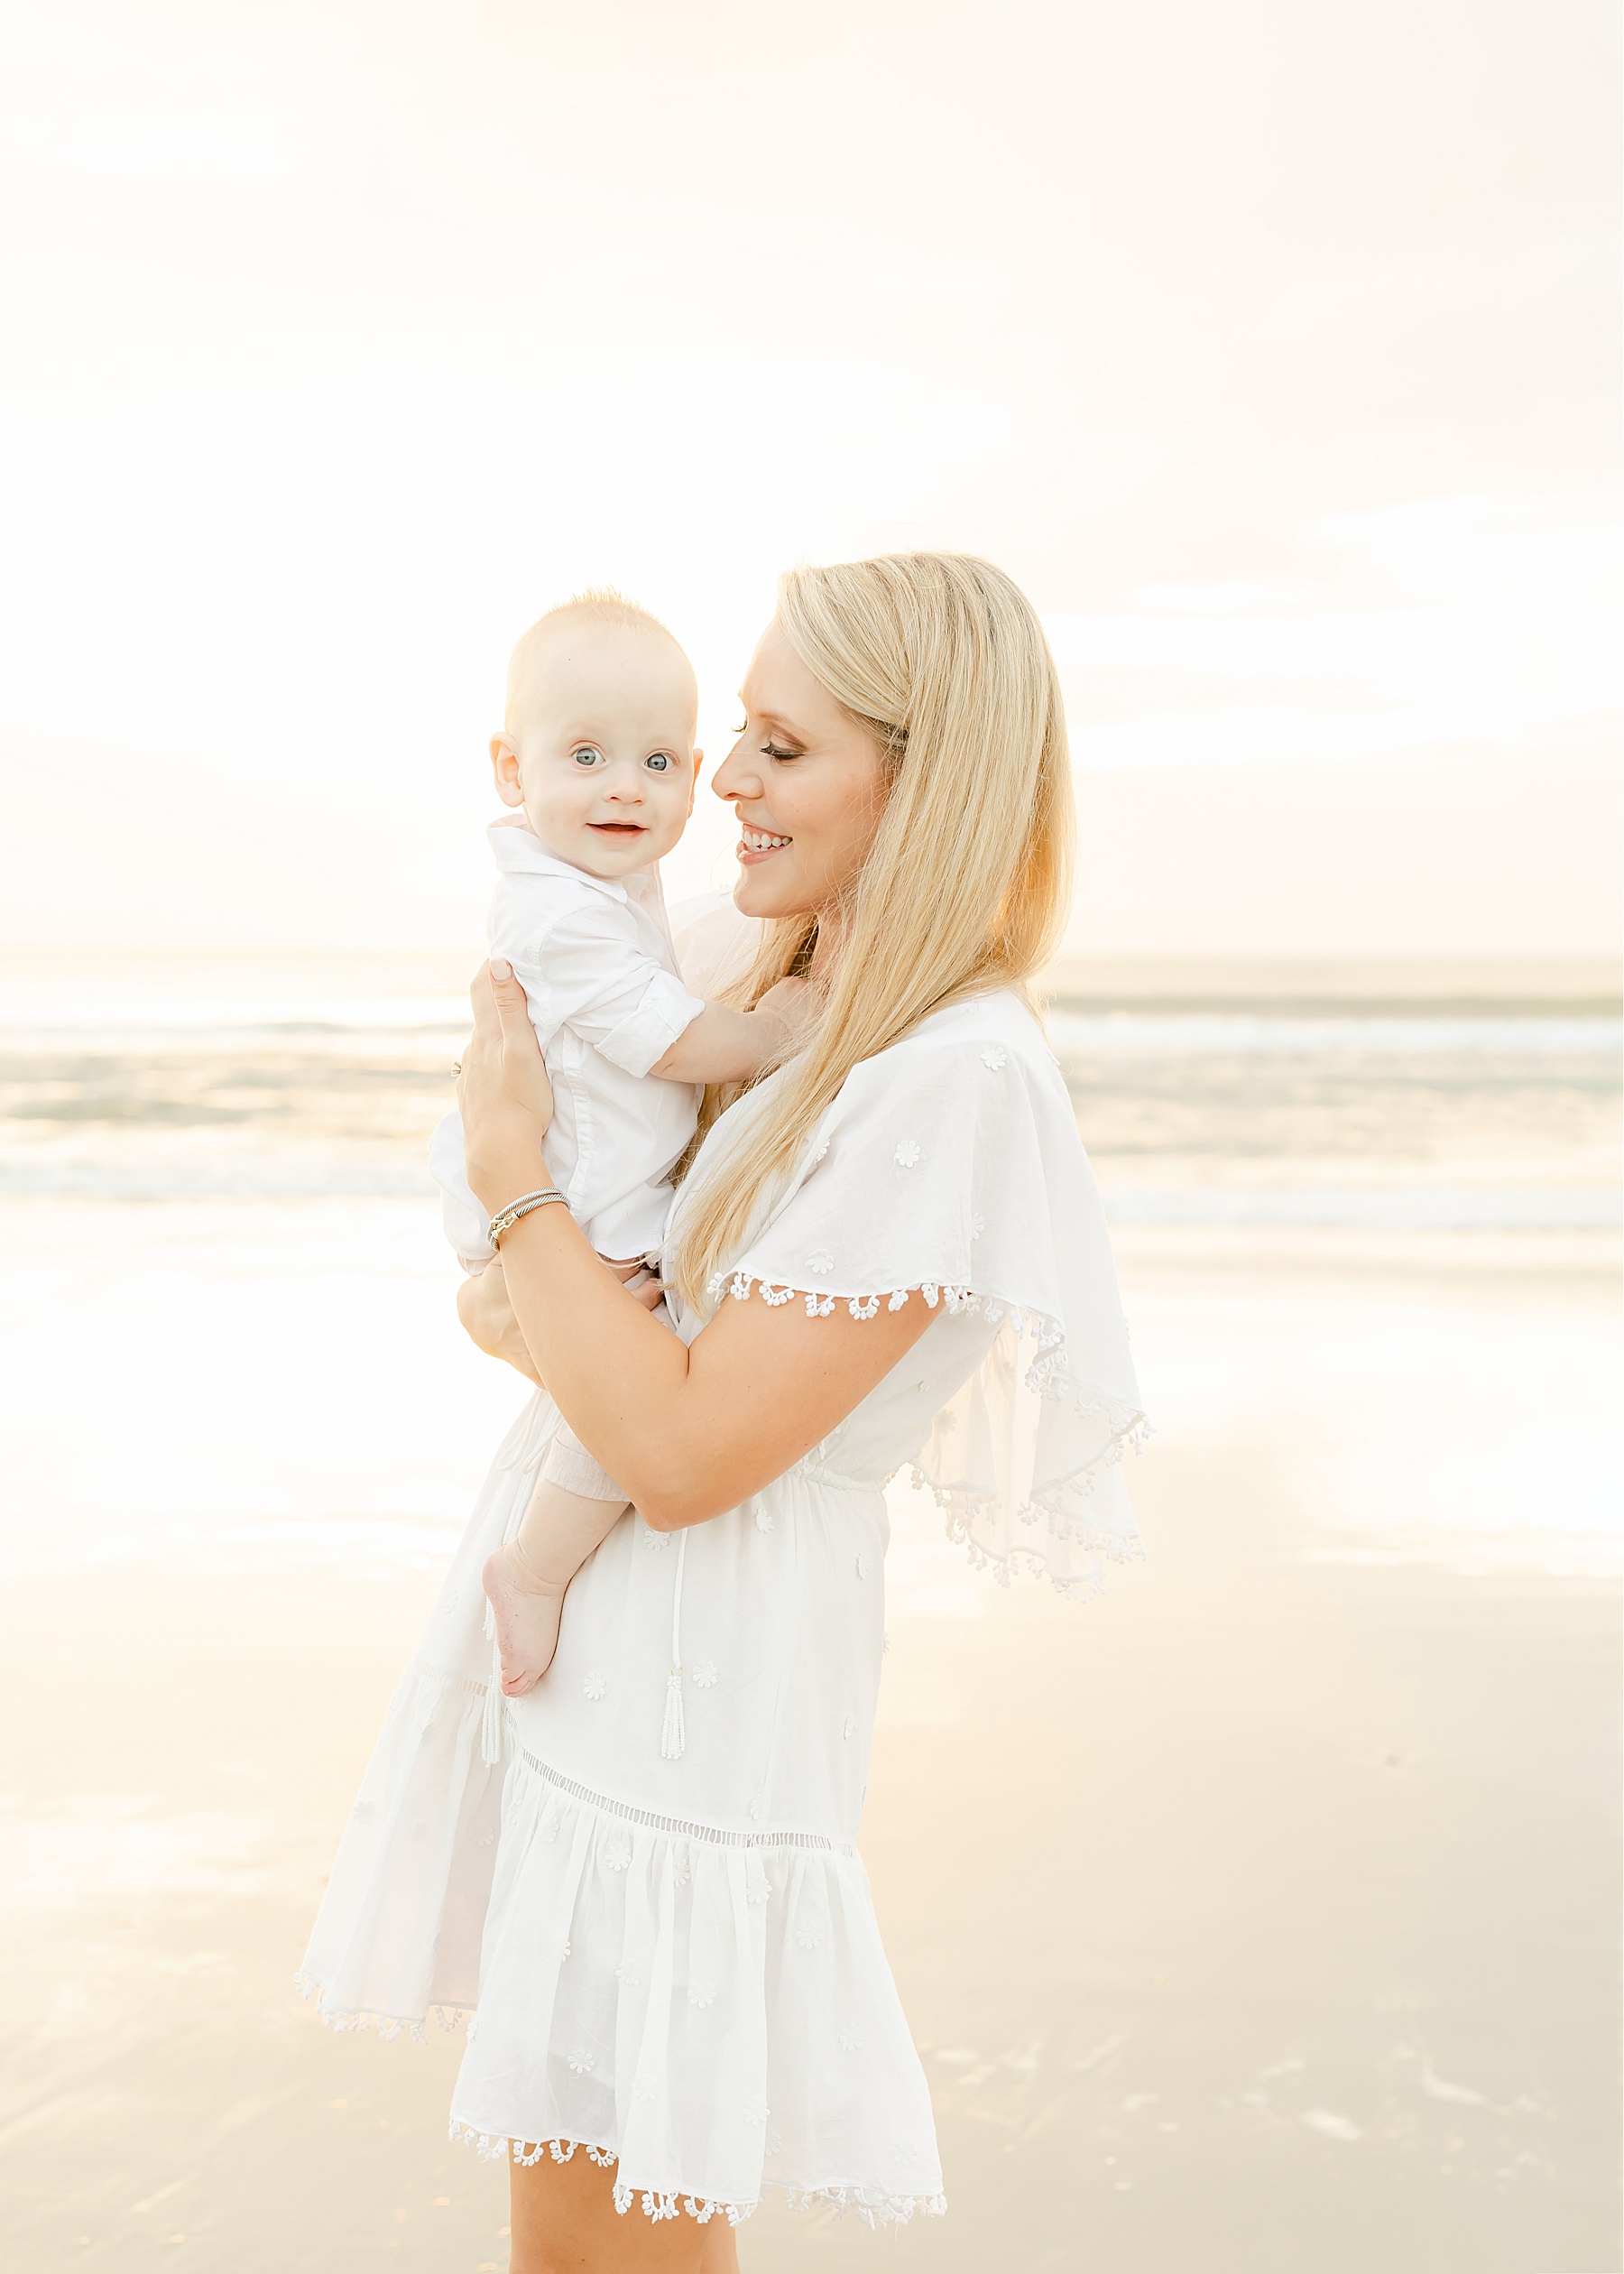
{"points": [[690, 1432]]}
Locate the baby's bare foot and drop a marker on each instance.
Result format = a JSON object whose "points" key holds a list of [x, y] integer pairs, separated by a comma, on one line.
{"points": [[527, 1612]]}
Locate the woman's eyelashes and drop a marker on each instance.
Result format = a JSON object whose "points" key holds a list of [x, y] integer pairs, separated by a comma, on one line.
{"points": [[769, 749]]}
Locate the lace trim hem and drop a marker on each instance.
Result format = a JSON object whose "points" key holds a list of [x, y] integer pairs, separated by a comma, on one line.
{"points": [[1049, 1376], [873, 2205], [820, 1304], [387, 2025], [678, 1828]]}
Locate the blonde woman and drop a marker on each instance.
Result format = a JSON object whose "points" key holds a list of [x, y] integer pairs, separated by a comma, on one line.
{"points": [[890, 1250]]}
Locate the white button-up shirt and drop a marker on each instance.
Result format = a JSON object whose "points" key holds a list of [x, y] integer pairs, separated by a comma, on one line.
{"points": [[593, 955]]}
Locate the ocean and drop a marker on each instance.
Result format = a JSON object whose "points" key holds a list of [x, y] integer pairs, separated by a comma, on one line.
{"points": [[1382, 1242]]}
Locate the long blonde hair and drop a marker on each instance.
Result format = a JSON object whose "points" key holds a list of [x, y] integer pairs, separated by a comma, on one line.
{"points": [[967, 884]]}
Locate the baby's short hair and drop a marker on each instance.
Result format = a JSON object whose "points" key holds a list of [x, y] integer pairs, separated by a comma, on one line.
{"points": [[601, 603]]}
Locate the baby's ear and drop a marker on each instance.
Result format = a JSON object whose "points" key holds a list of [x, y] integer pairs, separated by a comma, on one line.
{"points": [[504, 766], [694, 779]]}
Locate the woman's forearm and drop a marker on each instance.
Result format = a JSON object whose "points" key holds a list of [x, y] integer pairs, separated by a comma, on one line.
{"points": [[688, 1432]]}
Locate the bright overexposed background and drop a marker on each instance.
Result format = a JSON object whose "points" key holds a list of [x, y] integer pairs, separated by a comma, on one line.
{"points": [[1271, 346]]}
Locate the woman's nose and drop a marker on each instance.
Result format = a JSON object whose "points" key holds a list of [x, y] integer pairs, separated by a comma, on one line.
{"points": [[736, 777]]}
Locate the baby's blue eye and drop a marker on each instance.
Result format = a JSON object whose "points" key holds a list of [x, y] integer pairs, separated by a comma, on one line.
{"points": [[586, 755], [657, 763]]}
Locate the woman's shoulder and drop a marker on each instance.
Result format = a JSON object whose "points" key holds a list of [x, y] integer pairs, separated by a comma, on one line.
{"points": [[990, 1031]]}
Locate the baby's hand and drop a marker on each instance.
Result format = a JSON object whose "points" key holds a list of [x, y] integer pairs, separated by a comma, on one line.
{"points": [[794, 1005]]}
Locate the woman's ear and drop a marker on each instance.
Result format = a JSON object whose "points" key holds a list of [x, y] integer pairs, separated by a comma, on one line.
{"points": [[504, 766]]}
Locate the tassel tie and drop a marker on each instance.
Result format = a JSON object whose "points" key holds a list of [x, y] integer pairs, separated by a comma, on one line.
{"points": [[673, 1736], [493, 1722]]}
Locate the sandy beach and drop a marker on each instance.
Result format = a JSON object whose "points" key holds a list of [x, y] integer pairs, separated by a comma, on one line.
{"points": [[1261, 1916]]}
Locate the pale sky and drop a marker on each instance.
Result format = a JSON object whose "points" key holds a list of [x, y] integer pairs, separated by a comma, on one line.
{"points": [[1272, 344]]}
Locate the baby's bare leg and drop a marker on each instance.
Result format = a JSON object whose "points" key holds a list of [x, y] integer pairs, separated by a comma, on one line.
{"points": [[526, 1579]]}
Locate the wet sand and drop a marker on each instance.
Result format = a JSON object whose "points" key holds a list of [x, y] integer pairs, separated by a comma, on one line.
{"points": [[1263, 1915]]}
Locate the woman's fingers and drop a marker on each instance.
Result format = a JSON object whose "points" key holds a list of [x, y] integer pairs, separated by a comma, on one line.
{"points": [[512, 1012]]}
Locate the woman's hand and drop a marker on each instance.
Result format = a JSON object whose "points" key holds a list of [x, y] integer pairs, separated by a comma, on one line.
{"points": [[487, 1318], [503, 1092], [487, 1312]]}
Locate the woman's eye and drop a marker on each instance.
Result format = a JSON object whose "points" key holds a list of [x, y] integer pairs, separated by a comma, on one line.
{"points": [[658, 762], [771, 749]]}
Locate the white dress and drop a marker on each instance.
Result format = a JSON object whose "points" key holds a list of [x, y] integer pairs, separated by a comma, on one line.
{"points": [[674, 1963]]}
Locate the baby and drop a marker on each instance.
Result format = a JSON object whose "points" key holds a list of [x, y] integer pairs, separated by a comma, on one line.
{"points": [[597, 759]]}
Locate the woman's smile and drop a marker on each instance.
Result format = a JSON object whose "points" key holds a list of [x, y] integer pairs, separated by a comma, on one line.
{"points": [[757, 844]]}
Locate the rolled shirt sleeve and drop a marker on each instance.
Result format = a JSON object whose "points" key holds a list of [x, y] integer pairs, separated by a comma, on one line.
{"points": [[642, 1038], [592, 973]]}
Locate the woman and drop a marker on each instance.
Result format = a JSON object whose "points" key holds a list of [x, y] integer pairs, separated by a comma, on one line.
{"points": [[889, 1251]]}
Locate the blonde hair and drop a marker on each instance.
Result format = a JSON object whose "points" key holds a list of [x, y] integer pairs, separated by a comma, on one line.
{"points": [[967, 885], [600, 603]]}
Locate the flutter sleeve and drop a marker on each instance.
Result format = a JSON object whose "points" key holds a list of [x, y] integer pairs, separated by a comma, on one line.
{"points": [[949, 1171]]}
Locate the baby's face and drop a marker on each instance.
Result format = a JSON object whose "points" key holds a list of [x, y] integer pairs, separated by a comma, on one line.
{"points": [[603, 760]]}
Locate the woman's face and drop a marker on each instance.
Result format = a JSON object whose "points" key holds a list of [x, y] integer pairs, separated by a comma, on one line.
{"points": [[806, 783]]}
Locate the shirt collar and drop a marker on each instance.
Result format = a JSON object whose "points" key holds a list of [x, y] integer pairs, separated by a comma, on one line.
{"points": [[519, 852]]}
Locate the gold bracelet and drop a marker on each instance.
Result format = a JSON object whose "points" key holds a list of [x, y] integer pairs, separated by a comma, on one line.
{"points": [[505, 1220]]}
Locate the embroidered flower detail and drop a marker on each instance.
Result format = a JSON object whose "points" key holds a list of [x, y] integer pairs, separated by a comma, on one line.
{"points": [[485, 1839], [704, 1674], [601, 2157], [848, 1728], [655, 1540], [862, 1306], [563, 1952], [850, 2042], [684, 1866], [863, 1567], [994, 1057], [763, 1516], [627, 1977], [774, 1296], [645, 2089], [581, 2061], [820, 1260], [755, 1808], [907, 1154], [898, 1299], [755, 2112], [978, 1225], [819, 1306], [821, 1152], [594, 1687], [702, 1993], [549, 1824], [809, 1937], [617, 1853]]}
